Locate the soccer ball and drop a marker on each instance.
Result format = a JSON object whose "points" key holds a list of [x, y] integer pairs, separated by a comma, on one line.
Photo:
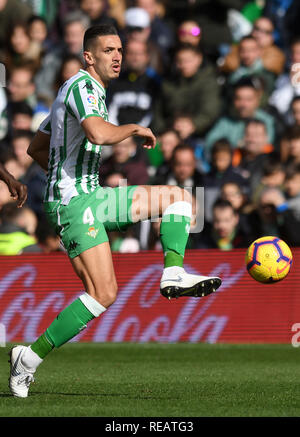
{"points": [[268, 259]]}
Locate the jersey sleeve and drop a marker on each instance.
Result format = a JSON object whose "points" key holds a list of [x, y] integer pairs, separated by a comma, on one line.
{"points": [[83, 101], [45, 126]]}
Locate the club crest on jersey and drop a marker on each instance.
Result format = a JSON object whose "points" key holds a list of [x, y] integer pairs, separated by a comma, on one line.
{"points": [[91, 100], [92, 232]]}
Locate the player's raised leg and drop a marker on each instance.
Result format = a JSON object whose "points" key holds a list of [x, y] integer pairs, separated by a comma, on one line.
{"points": [[174, 205]]}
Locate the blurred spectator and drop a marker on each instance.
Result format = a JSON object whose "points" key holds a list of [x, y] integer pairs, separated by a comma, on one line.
{"points": [[193, 92], [167, 140], [137, 22], [251, 64], [11, 12], [245, 106], [284, 93], [32, 176], [189, 32], [212, 18], [131, 96], [22, 89], [295, 110], [272, 57], [286, 209], [273, 176], [183, 171], [21, 49], [123, 161], [161, 34], [285, 16], [17, 230], [70, 66], [224, 233], [124, 242], [48, 239], [95, 10], [75, 24], [38, 32], [221, 172], [254, 152], [234, 193], [22, 115], [293, 144]]}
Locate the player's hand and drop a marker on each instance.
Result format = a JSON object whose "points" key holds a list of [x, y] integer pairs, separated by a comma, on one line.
{"points": [[17, 191], [149, 137]]}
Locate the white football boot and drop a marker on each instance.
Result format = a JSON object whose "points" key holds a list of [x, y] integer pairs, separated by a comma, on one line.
{"points": [[20, 377], [175, 282]]}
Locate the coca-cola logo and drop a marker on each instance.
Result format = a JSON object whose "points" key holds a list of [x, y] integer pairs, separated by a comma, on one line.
{"points": [[140, 314]]}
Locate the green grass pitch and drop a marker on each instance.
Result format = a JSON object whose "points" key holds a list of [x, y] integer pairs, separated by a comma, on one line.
{"points": [[154, 380]]}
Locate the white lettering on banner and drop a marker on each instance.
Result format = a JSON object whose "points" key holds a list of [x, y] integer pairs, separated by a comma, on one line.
{"points": [[2, 335], [17, 304], [23, 309], [198, 323], [183, 322], [56, 299]]}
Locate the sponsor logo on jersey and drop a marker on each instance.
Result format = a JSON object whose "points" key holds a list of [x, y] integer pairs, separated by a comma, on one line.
{"points": [[91, 100]]}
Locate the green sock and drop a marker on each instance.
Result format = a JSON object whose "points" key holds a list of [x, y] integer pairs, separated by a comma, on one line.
{"points": [[42, 346], [67, 325], [174, 233]]}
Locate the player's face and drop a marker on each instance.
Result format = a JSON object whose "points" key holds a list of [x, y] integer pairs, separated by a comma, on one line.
{"points": [[107, 54]]}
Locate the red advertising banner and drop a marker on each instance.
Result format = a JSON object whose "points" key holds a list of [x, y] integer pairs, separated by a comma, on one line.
{"points": [[35, 288]]}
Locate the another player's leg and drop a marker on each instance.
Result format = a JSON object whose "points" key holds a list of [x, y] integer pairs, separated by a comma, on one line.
{"points": [[101, 289], [173, 204]]}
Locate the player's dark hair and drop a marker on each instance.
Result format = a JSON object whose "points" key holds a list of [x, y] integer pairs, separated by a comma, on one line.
{"points": [[99, 30]]}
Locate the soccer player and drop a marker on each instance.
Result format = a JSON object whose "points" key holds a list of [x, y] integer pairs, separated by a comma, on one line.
{"points": [[68, 145], [17, 190]]}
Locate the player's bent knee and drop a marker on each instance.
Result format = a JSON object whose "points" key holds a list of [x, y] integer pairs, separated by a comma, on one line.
{"points": [[106, 295]]}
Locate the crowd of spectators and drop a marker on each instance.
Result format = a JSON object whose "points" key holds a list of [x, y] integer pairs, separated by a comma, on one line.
{"points": [[218, 82]]}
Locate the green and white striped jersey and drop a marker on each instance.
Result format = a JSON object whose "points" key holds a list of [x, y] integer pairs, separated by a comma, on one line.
{"points": [[73, 163]]}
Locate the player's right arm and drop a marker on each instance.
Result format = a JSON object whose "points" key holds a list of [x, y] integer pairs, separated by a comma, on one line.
{"points": [[39, 146], [84, 105], [99, 131]]}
